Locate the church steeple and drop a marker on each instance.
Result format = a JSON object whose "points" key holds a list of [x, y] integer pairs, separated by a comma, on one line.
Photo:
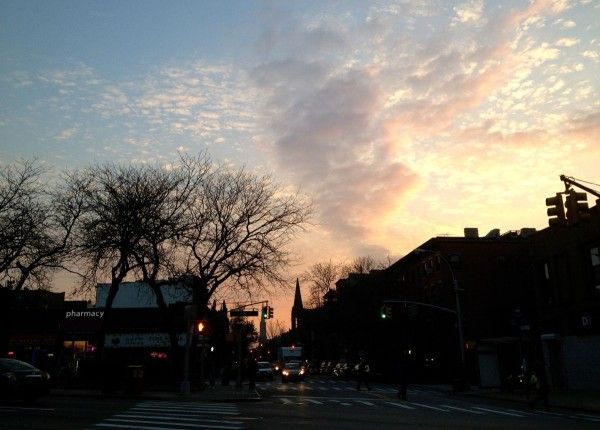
{"points": [[298, 296], [297, 308]]}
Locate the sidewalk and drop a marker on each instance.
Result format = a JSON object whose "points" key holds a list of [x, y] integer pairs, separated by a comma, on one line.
{"points": [[586, 401], [220, 393]]}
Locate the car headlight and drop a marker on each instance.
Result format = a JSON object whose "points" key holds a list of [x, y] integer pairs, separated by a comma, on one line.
{"points": [[302, 372], [285, 373]]}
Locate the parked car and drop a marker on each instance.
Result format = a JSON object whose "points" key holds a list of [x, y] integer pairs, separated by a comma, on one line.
{"points": [[22, 381], [292, 371], [265, 371]]}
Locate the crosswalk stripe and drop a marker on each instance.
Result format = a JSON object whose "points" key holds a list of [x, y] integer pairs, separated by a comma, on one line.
{"points": [[178, 411], [588, 417], [345, 404], [401, 405], [498, 412], [462, 409], [287, 401], [316, 402], [428, 407], [194, 425], [365, 403], [188, 406], [131, 426], [164, 418]]}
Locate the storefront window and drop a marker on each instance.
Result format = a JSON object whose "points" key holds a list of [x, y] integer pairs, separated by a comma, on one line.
{"points": [[76, 345]]}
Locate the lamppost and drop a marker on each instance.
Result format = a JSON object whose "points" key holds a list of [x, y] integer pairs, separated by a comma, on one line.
{"points": [[459, 326]]}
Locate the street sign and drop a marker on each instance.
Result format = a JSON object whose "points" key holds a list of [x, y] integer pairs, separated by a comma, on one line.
{"points": [[253, 313]]}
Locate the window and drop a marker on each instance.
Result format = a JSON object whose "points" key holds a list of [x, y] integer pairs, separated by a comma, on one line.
{"points": [[595, 255], [595, 260]]}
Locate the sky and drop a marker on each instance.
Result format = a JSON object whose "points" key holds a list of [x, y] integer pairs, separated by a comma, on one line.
{"points": [[401, 120]]}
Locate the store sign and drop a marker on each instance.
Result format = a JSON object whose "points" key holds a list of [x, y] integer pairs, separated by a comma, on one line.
{"points": [[87, 314], [141, 340], [586, 320]]}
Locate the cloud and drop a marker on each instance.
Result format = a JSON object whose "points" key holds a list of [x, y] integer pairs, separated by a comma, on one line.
{"points": [[405, 113], [567, 42], [593, 55], [66, 134], [469, 13]]}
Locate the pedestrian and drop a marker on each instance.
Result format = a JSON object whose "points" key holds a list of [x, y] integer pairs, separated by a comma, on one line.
{"points": [[539, 385], [362, 374], [252, 369], [403, 374]]}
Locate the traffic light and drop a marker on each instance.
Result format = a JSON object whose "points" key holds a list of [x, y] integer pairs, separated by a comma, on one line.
{"points": [[264, 312], [270, 312], [556, 211], [577, 207], [385, 312]]}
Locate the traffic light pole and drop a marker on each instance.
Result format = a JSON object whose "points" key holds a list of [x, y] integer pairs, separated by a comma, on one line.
{"points": [[240, 309], [459, 325]]}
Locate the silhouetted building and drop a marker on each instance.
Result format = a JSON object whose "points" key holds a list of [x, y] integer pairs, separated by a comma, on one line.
{"points": [[565, 263], [525, 296]]}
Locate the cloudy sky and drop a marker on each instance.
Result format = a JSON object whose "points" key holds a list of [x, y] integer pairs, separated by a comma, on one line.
{"points": [[402, 120]]}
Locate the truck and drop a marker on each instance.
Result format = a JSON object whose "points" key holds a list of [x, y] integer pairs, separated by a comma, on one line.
{"points": [[285, 354]]}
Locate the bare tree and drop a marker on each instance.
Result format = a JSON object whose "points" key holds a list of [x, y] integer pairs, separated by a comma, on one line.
{"points": [[322, 277], [275, 328], [361, 265], [239, 227], [127, 216], [156, 252], [36, 225]]}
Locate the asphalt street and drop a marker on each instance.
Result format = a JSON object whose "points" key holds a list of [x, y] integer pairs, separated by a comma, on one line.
{"points": [[317, 403]]}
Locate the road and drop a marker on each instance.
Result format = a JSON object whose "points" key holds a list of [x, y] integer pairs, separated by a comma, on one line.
{"points": [[317, 403], [329, 404]]}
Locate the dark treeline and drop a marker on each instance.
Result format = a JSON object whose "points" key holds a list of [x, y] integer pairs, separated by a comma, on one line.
{"points": [[197, 222]]}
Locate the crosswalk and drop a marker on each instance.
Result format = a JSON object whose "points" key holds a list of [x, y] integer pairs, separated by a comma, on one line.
{"points": [[323, 386], [169, 415], [443, 408]]}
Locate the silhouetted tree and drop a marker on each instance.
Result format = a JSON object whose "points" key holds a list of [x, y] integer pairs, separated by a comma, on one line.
{"points": [[239, 227], [362, 265], [36, 225], [322, 277], [129, 213]]}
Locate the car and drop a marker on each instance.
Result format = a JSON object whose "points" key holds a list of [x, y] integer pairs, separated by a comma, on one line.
{"points": [[22, 381], [292, 371], [265, 371]]}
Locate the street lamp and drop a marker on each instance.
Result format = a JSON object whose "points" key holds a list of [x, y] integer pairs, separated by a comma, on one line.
{"points": [[459, 326]]}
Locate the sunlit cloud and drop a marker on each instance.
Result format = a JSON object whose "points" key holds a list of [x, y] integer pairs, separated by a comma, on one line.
{"points": [[405, 120], [470, 13]]}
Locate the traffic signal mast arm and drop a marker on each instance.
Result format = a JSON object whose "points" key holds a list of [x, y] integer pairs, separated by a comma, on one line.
{"points": [[262, 302], [427, 305], [571, 181], [265, 313]]}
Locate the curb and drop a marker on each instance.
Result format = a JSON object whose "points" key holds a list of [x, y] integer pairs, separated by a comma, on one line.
{"points": [[204, 396]]}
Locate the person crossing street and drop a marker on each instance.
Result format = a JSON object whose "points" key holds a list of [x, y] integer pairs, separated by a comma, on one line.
{"points": [[362, 374]]}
